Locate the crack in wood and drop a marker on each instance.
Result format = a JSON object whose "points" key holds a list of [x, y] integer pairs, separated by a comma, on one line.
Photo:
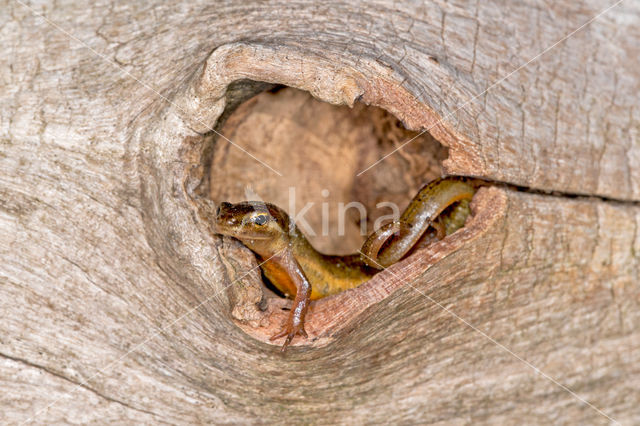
{"points": [[77, 384]]}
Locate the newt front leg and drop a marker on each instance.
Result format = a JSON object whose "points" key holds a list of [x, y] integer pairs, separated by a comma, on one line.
{"points": [[295, 322]]}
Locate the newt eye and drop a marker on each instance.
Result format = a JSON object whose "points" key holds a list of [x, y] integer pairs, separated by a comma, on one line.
{"points": [[260, 220]]}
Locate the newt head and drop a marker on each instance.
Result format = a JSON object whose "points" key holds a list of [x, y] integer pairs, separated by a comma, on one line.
{"points": [[256, 224]]}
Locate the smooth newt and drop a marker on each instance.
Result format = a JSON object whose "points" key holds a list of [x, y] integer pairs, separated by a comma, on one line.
{"points": [[299, 271]]}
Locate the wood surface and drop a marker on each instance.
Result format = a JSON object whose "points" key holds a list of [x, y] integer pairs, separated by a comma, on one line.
{"points": [[119, 304]]}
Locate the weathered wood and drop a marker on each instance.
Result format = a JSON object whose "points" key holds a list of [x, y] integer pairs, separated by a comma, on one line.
{"points": [[113, 291]]}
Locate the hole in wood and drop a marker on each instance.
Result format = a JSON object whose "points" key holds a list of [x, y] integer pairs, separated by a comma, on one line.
{"points": [[185, 167], [319, 149]]}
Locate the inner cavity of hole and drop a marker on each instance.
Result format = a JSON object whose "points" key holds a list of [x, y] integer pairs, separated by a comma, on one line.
{"points": [[319, 149]]}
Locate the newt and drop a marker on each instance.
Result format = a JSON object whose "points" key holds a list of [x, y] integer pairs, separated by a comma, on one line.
{"points": [[301, 272]]}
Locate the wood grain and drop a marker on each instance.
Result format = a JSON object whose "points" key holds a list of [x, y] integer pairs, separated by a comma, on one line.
{"points": [[114, 294]]}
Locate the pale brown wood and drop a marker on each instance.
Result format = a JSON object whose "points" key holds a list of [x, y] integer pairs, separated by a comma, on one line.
{"points": [[120, 304]]}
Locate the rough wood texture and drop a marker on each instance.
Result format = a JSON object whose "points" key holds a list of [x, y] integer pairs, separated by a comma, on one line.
{"points": [[113, 293]]}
